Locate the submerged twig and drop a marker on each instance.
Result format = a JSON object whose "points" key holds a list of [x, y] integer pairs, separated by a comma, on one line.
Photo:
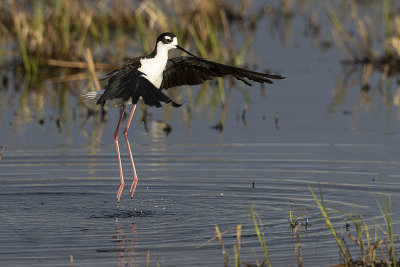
{"points": [[238, 245], [298, 246], [148, 258], [224, 252], [2, 150], [76, 64], [91, 68], [215, 237]]}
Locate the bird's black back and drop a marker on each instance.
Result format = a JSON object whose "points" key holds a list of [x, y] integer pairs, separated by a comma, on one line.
{"points": [[128, 84]]}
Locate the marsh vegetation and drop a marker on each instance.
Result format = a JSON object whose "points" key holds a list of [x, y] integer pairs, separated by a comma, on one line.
{"points": [[50, 51]]}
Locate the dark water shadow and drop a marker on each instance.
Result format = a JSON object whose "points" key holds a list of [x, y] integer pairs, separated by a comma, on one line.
{"points": [[123, 214]]}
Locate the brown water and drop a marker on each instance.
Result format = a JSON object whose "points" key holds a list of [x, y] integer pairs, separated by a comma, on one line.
{"points": [[58, 187]]}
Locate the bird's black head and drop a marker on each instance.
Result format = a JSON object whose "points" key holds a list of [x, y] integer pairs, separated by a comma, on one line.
{"points": [[167, 38], [170, 40]]}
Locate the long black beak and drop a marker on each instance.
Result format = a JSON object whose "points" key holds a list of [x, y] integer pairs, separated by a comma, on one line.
{"points": [[184, 50]]}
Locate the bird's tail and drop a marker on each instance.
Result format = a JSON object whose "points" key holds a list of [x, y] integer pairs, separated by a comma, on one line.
{"points": [[92, 95]]}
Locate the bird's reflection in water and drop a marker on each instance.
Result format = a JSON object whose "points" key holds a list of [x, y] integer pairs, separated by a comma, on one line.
{"points": [[126, 241]]}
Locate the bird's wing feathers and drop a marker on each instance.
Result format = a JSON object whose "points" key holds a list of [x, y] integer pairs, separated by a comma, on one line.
{"points": [[133, 63], [129, 83], [192, 71]]}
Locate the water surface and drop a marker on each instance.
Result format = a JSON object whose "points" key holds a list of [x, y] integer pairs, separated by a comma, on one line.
{"points": [[58, 181]]}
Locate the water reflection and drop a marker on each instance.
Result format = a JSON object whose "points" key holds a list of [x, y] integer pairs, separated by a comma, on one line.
{"points": [[209, 29], [369, 83], [177, 203], [370, 45], [96, 131], [126, 242], [53, 97]]}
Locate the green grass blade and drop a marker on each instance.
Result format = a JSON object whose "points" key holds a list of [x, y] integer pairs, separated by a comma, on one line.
{"points": [[260, 235], [321, 206], [235, 249], [386, 212], [337, 24], [387, 18]]}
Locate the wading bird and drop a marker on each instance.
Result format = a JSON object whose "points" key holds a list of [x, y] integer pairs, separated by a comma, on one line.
{"points": [[145, 77]]}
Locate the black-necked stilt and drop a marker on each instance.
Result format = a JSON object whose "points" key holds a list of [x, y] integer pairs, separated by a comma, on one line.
{"points": [[145, 77]]}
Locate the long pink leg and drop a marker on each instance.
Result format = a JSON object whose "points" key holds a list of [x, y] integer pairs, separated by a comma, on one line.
{"points": [[121, 175], [135, 179]]}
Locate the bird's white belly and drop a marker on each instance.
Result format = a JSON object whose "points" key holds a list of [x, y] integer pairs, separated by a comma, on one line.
{"points": [[153, 69], [156, 80]]}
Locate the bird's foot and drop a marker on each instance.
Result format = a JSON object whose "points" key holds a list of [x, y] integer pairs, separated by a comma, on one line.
{"points": [[133, 186], [121, 187]]}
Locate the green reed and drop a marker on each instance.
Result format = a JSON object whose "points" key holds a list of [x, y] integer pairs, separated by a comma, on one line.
{"points": [[368, 243], [2, 151], [61, 29], [52, 38], [369, 43], [386, 211], [258, 226], [322, 207]]}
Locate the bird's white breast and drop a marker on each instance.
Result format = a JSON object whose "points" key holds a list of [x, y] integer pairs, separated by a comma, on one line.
{"points": [[153, 68]]}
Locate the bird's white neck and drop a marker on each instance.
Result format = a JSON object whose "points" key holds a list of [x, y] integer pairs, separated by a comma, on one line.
{"points": [[153, 67], [162, 51]]}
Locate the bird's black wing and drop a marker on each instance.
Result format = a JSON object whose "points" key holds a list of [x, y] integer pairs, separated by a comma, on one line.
{"points": [[192, 71], [133, 63], [129, 83]]}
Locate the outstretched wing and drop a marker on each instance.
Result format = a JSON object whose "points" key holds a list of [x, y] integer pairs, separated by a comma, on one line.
{"points": [[133, 63], [192, 71], [129, 83]]}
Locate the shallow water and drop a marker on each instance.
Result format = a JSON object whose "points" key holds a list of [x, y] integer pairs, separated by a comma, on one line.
{"points": [[58, 187], [60, 200]]}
